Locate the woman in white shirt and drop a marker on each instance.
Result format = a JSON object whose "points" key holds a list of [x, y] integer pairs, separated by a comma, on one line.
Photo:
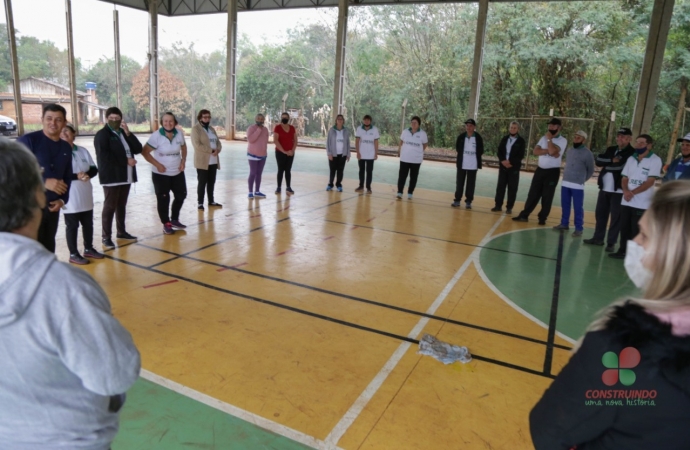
{"points": [[413, 142], [338, 151], [79, 208]]}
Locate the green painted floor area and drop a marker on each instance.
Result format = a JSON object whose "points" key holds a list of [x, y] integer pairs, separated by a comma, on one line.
{"points": [[590, 280], [156, 418]]}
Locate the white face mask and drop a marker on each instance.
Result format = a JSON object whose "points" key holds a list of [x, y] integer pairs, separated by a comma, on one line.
{"points": [[637, 272]]}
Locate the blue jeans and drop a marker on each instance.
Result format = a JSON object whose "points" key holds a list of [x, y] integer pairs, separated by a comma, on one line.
{"points": [[577, 197]]}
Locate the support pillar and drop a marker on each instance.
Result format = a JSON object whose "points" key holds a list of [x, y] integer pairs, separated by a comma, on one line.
{"points": [[118, 66], [478, 59], [15, 68], [70, 65], [153, 65], [230, 72], [651, 68], [341, 45]]}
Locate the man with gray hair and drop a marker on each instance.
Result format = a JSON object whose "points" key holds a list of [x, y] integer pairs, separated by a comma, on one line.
{"points": [[511, 152], [66, 362], [579, 167]]}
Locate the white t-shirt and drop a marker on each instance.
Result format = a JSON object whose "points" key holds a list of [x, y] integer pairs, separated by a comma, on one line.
{"points": [[213, 159], [509, 145], [339, 142], [80, 192], [367, 139], [571, 185], [130, 169], [639, 172], [412, 150], [469, 157], [167, 151], [550, 162]]}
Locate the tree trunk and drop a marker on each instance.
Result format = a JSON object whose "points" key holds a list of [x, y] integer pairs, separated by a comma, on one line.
{"points": [[679, 115]]}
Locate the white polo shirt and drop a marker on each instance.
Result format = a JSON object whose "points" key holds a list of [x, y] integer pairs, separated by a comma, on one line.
{"points": [[80, 192], [367, 139], [412, 150], [637, 172], [213, 159], [551, 162], [167, 151], [469, 156]]}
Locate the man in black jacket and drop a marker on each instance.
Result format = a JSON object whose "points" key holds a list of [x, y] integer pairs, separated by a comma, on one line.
{"points": [[610, 191], [115, 150], [470, 148], [511, 152]]}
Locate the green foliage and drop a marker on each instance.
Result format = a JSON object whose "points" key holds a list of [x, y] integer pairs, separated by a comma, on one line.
{"points": [[103, 74]]}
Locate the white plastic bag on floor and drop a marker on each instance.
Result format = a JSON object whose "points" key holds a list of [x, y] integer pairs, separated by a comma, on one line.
{"points": [[442, 351]]}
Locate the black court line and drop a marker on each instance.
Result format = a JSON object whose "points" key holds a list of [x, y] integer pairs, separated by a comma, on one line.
{"points": [[321, 316], [548, 358], [439, 239]]}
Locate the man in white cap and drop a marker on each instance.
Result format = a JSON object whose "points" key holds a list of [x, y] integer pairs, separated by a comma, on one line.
{"points": [[579, 167], [679, 169]]}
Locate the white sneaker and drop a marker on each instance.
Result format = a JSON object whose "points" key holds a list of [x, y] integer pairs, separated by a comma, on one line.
{"points": [[399, 195]]}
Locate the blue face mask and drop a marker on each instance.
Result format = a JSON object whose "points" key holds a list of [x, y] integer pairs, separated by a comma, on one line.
{"points": [[641, 150]]}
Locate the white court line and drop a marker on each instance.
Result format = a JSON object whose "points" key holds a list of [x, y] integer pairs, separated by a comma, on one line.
{"points": [[358, 406], [240, 413]]}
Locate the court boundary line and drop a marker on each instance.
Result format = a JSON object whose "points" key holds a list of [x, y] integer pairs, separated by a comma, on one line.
{"points": [[232, 410], [553, 317]]}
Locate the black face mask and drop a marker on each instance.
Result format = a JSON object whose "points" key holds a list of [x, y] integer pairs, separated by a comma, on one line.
{"points": [[577, 144], [284, 121], [553, 132], [513, 135], [206, 124]]}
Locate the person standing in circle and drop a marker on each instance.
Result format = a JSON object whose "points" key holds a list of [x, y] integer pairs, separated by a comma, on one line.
{"points": [[338, 151], [367, 147], [257, 150], [79, 209], [413, 142], [206, 149], [285, 138], [511, 152], [167, 152]]}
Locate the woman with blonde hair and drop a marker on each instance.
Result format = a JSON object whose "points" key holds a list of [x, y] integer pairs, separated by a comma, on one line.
{"points": [[627, 384]]}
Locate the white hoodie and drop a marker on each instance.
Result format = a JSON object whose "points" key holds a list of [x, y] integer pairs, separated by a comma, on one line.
{"points": [[62, 353]]}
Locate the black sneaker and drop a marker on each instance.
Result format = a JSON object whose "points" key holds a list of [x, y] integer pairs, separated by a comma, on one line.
{"points": [[610, 248], [200, 207], [617, 255], [497, 209], [368, 191], [76, 258], [168, 229], [92, 253], [468, 205], [277, 191], [455, 204], [127, 237], [108, 244], [214, 204], [509, 211], [360, 189], [520, 219], [593, 242], [289, 191], [542, 222], [177, 224]]}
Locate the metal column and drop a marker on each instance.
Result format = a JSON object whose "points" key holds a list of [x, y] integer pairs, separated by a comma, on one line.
{"points": [[153, 64], [651, 69], [478, 60], [15, 68], [339, 82], [230, 72], [118, 66], [70, 65]]}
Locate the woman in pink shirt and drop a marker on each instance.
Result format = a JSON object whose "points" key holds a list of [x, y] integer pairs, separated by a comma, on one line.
{"points": [[257, 136]]}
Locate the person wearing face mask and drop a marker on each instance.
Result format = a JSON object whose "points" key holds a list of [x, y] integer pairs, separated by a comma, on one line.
{"points": [[638, 178], [413, 142], [648, 335], [550, 149], [470, 148], [679, 169], [338, 151], [285, 138], [367, 148], [166, 150], [115, 149], [206, 150], [610, 191], [257, 151], [579, 167], [511, 152]]}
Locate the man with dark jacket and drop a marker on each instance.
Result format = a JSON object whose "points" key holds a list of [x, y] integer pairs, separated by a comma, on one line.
{"points": [[115, 150], [610, 191], [679, 169], [511, 152], [470, 148]]}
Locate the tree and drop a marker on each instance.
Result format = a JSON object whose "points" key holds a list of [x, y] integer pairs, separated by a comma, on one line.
{"points": [[103, 74], [172, 93]]}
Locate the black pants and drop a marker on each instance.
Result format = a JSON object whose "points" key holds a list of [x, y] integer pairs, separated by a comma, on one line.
{"points": [[507, 178], [630, 220], [284, 167], [471, 176], [207, 180], [163, 184], [543, 187], [413, 170], [608, 204], [337, 166], [48, 229], [114, 204], [72, 221], [368, 166]]}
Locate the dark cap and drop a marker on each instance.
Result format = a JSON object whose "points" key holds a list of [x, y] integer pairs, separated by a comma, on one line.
{"points": [[625, 131], [554, 121], [471, 121]]}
